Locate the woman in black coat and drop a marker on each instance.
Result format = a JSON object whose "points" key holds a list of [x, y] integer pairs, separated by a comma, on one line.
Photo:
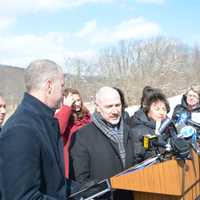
{"points": [[155, 111], [146, 93]]}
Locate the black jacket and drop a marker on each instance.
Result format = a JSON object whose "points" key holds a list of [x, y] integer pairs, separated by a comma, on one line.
{"points": [[31, 157], [126, 117], [95, 157], [136, 118], [141, 125]]}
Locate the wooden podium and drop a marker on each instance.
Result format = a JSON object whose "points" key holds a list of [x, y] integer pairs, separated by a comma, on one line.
{"points": [[168, 180]]}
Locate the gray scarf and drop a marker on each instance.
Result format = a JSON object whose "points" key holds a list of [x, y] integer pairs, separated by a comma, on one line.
{"points": [[116, 135]]}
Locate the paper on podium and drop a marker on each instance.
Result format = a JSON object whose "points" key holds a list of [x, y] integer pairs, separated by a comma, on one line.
{"points": [[142, 165]]}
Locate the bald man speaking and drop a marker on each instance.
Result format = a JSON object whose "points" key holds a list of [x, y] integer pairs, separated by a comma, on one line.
{"points": [[104, 147]]}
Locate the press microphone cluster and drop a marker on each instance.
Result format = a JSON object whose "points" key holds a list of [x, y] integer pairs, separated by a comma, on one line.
{"points": [[167, 141], [189, 130], [157, 140]]}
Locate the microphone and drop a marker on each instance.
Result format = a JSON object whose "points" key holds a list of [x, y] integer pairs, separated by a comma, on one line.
{"points": [[150, 142], [158, 139], [181, 148], [164, 125], [159, 142], [189, 133], [181, 118]]}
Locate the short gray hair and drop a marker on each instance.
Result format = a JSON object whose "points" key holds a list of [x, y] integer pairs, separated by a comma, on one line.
{"points": [[40, 70]]}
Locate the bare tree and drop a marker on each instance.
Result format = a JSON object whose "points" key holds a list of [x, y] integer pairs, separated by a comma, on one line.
{"points": [[160, 62]]}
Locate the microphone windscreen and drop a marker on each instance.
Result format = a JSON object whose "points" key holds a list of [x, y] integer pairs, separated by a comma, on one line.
{"points": [[180, 147], [164, 125], [187, 132]]}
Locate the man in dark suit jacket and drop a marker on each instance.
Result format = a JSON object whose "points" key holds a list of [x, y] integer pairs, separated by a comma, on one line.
{"points": [[31, 157], [104, 147]]}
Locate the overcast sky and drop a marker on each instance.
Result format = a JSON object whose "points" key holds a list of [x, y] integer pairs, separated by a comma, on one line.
{"points": [[54, 29]]}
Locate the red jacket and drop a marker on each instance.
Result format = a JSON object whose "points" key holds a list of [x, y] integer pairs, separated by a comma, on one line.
{"points": [[67, 129]]}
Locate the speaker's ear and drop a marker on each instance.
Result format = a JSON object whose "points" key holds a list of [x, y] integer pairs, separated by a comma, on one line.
{"points": [[48, 86], [97, 107]]}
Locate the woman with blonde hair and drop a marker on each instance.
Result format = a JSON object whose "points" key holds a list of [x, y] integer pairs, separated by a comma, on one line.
{"points": [[189, 105]]}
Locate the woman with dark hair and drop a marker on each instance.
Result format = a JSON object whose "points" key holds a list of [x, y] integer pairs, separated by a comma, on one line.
{"points": [[71, 116], [155, 111], [146, 92], [122, 97]]}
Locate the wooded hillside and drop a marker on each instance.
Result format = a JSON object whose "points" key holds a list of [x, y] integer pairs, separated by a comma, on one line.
{"points": [[130, 65]]}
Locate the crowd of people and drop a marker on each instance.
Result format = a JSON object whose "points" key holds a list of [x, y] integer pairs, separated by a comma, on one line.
{"points": [[52, 145]]}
